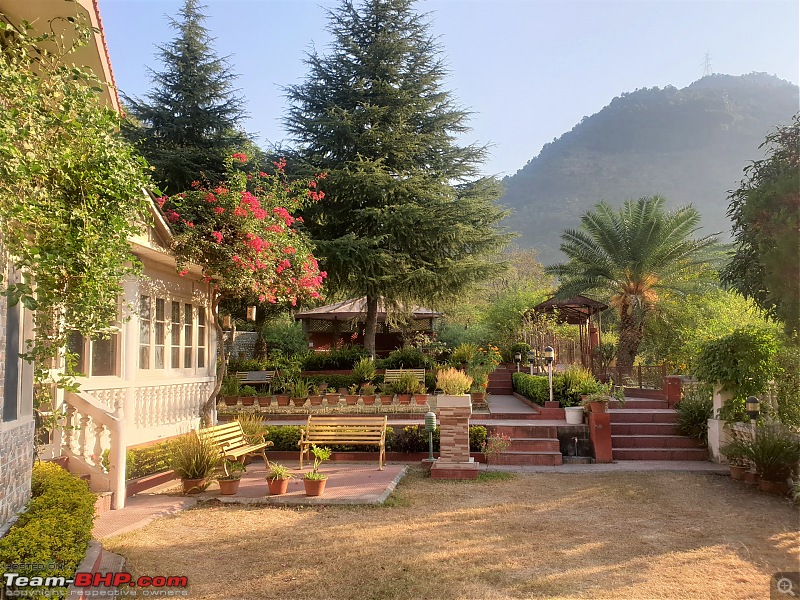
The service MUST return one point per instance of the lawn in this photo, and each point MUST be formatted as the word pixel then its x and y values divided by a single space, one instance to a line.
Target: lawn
pixel 598 535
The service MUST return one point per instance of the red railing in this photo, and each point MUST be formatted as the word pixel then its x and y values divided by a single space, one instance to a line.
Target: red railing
pixel 641 376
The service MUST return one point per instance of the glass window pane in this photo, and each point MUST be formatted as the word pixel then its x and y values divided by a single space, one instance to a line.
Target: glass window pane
pixel 144 357
pixel 159 357
pixel 104 356
pixel 159 309
pixel 188 336
pixel 201 358
pixel 160 333
pixel 75 346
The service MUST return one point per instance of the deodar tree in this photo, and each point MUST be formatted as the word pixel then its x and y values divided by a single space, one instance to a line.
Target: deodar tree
pixel 245 237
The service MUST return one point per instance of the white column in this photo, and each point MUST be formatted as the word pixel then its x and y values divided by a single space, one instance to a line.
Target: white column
pixel 716 433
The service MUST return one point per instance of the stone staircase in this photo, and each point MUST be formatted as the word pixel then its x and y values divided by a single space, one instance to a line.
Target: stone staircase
pixel 500 381
pixel 644 429
pixel 531 443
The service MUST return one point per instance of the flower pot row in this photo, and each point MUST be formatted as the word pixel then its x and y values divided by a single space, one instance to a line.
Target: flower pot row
pixel 740 473
pixel 350 400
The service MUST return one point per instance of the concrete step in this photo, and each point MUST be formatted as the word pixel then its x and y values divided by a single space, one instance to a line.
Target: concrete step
pixel 534 445
pixel 660 454
pixel 528 458
pixel 642 415
pixel 526 416
pixel 526 431
pixel 103 502
pixel 653 441
pixel 631 403
pixel 643 429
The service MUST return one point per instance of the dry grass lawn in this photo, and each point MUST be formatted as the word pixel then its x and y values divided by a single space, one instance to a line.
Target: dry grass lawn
pixel 600 535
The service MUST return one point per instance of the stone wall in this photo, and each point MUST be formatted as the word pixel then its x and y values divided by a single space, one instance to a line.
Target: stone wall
pixel 16 459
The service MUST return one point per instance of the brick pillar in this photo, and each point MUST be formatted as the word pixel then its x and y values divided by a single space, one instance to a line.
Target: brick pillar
pixel 600 436
pixel 454 460
pixel 672 389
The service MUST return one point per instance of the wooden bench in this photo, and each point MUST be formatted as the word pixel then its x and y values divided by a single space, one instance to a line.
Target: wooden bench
pixel 393 375
pixel 349 430
pixel 248 377
pixel 232 443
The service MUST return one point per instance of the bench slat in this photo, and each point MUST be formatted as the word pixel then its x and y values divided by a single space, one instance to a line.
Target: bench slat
pixel 337 430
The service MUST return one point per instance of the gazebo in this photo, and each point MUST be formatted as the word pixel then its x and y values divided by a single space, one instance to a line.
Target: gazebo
pixel 578 310
pixel 341 323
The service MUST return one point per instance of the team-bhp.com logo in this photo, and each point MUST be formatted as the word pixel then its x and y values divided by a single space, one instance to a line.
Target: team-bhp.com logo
pixel 159 585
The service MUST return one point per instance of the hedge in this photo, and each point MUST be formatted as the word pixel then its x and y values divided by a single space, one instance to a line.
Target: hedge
pixel 52 536
pixel 537 389
pixel 148 460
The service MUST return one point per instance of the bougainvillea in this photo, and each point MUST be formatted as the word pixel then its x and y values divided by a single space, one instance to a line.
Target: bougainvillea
pixel 244 236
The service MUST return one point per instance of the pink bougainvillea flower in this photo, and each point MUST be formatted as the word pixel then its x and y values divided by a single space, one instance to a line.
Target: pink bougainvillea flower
pixel 240 156
pixel 217 235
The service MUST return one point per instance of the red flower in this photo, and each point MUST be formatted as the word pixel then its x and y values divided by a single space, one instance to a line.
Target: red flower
pixel 217 235
pixel 240 156
pixel 219 210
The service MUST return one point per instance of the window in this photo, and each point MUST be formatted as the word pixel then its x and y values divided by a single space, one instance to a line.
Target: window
pixel 188 338
pixel 144 332
pixel 11 382
pixel 97 358
pixel 201 337
pixel 160 333
pixel 175 335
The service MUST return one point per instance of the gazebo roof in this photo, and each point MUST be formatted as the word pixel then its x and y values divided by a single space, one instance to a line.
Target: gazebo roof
pixel 573 310
pixel 357 307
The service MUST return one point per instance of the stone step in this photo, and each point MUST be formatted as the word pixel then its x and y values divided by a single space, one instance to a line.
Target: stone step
pixel 525 431
pixel 653 441
pixel 512 416
pixel 534 445
pixel 642 415
pixel 631 403
pixel 103 502
pixel 528 458
pixel 660 454
pixel 643 429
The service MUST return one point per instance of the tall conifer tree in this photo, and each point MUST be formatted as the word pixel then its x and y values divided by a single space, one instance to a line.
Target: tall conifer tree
pixel 403 218
pixel 187 125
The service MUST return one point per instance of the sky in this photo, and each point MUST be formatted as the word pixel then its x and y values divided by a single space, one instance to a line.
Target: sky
pixel 527 70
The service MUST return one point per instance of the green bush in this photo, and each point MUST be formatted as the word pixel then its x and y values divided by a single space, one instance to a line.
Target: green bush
pixel 533 387
pixel 787 386
pixel 284 437
pixel 340 358
pixel 247 364
pixel 52 536
pixel 477 436
pixel 334 381
pixel 407 358
pixel 521 347
pixel 285 334
pixel 537 389
pixel 144 461
pixel 694 411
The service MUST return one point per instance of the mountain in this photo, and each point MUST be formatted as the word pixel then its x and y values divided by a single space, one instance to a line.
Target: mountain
pixel 688 145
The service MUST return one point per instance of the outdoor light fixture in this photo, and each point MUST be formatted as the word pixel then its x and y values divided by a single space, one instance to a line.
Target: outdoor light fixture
pixel 549 357
pixel 531 358
pixel 430 427
pixel 251 313
pixel 752 407
pixel 226 321
pixel 518 359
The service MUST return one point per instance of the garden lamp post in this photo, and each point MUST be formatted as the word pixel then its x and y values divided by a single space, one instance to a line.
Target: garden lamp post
pixel 549 357
pixel 518 359
pixel 430 426
pixel 251 313
pixel 531 357
pixel 753 407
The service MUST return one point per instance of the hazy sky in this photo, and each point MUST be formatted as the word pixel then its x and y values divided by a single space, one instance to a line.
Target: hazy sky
pixel 529 70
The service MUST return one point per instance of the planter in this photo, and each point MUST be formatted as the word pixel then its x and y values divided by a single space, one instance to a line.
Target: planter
pixel 773 487
pixel 315 400
pixel 332 398
pixel 737 473
pixel 229 487
pixel 299 402
pixel 478 397
pixel 404 398
pixel 264 400
pixel 230 400
pixel 751 477
pixel 282 399
pixel 193 486
pixel 574 415
pixel 277 486
pixel 314 487
pixel 351 400
pixel 387 400
pixel 421 399
pixel 368 400
pixel 248 400
pixel 597 407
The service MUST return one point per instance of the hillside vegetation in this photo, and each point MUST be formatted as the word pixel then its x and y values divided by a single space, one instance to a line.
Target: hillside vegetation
pixel 689 145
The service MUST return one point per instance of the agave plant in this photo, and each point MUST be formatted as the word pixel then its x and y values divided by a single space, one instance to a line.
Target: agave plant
pixel 194 458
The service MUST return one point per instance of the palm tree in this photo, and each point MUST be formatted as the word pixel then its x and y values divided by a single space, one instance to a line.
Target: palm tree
pixel 633 256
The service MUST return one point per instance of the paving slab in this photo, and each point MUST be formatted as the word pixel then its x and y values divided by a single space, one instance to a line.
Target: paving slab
pixel 138 512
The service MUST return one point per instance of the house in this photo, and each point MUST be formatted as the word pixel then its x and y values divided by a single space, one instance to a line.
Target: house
pixel 148 381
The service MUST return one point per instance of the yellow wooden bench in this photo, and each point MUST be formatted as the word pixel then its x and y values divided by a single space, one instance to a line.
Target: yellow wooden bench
pixel 232 443
pixel 350 430
pixel 392 375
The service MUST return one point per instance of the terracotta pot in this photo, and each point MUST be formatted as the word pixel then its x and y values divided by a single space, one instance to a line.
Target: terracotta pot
pixel 264 400
pixel 248 400
pixel 231 400
pixel 368 400
pixel 193 486
pixel 315 400
pixel 386 400
pixel 332 398
pixel 597 407
pixel 404 398
pixel 277 486
pixel 478 396
pixel 773 487
pixel 229 487
pixel 351 400
pixel 421 399
pixel 737 473
pixel 282 399
pixel 299 402
pixel 751 477
pixel 314 487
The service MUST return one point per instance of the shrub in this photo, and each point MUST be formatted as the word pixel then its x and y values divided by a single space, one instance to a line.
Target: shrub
pixel 521 347
pixel 253 427
pixel 339 358
pixel 453 382
pixel 284 437
pixel 50 539
pixel 787 386
pixel 477 437
pixel 775 452
pixel 407 358
pixel 533 387
pixel 193 457
pixel 463 353
pixel 246 364
pixel 285 334
pixel 364 369
pixel 694 413
pixel 144 461
pixel 334 381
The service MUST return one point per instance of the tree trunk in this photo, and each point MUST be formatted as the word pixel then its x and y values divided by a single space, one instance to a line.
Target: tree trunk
pixel 630 336
pixel 371 325
pixel 207 409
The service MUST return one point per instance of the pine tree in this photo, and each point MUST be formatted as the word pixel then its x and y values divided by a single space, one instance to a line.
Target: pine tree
pixel 401 219
pixel 188 124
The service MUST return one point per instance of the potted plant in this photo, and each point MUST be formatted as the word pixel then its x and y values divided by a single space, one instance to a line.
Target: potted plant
pixel 314 481
pixel 775 453
pixel 332 396
pixel 598 400
pixel 386 394
pixel 299 391
pixel 248 395
pixel 585 387
pixel 278 478
pixel 737 451
pixel 229 481
pixel 364 370
pixel 421 394
pixel 314 395
pixel 194 460
pixel 283 385
pixel 230 390
pixel 453 382
pixel 265 397
pixel 351 398
pixel 480 381
pixel 368 394
pixel 404 387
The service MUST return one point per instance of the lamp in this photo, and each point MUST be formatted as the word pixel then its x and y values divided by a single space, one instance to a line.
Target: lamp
pixel 518 359
pixel 430 427
pixel 226 321
pixel 251 313
pixel 753 407
pixel 549 357
pixel 531 358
